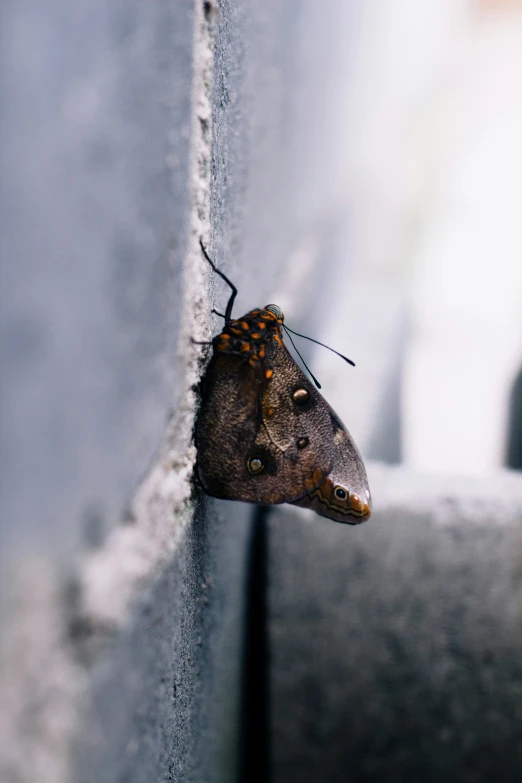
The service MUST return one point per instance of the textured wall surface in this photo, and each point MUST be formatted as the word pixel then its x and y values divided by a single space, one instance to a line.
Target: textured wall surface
pixel 95 223
pixel 149 633
pixel 395 646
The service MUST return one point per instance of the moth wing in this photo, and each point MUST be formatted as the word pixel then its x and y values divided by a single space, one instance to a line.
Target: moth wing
pixel 349 474
pixel 303 432
pixel 234 426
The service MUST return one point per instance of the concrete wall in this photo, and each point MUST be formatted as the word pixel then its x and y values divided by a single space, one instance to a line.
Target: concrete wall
pixel 148 632
pixel 395 647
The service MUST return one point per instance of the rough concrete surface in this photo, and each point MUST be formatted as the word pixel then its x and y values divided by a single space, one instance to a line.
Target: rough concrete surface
pixel 395 646
pixel 95 222
pixel 105 292
pixel 128 131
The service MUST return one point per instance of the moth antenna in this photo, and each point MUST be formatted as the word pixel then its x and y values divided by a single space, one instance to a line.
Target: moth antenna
pixel 319 343
pixel 230 303
pixel 305 364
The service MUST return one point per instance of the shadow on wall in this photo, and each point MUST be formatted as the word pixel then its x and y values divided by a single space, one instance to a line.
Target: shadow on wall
pixel 514 443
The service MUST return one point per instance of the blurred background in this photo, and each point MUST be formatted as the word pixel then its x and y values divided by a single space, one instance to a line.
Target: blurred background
pixel 360 164
pixel 430 183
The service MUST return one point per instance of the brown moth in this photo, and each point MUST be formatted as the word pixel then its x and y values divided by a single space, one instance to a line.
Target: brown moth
pixel 264 434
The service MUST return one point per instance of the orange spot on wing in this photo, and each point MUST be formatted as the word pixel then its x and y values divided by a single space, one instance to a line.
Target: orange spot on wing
pixel 255 336
pixel 315 479
pixel 268 374
pixel 261 352
pixel 261 325
pixel 246 347
pixel 224 336
pixel 235 331
pixel 278 340
pixel 318 475
pixel 245 326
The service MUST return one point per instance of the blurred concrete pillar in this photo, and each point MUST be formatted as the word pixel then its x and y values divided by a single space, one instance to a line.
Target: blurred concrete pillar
pixel 395 646
pixel 514 445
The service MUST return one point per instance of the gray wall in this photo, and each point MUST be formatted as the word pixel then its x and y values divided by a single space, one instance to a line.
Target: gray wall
pixel 395 647
pixel 134 609
pixel 94 227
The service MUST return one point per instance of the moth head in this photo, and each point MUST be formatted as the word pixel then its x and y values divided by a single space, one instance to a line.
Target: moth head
pixel 275 310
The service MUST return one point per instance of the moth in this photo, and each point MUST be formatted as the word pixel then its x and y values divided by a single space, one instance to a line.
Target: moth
pixel 264 434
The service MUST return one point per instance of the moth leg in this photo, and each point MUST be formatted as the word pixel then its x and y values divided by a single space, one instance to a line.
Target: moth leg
pixel 230 303
pixel 216 312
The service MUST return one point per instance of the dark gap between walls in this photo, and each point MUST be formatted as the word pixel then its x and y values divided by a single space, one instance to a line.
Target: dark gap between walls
pixel 514 445
pixel 254 744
